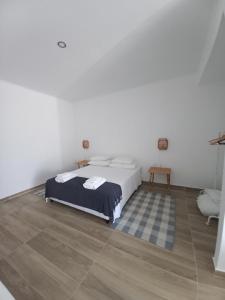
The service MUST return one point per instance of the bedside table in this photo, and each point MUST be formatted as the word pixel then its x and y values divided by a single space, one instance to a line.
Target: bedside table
pixel 82 163
pixel 158 170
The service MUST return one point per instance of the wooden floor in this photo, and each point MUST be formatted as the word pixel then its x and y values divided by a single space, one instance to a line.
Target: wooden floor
pixel 50 251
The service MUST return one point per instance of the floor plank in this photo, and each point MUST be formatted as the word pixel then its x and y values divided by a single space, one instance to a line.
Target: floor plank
pixel 16 284
pixel 103 283
pixel 8 242
pixel 64 257
pixel 94 227
pixel 22 230
pixel 162 283
pixel 33 218
pixel 51 282
pixel 210 293
pixel 83 243
pixel 156 256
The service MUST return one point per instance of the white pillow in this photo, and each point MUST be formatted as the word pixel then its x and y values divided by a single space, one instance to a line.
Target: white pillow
pixel 102 163
pixel 125 166
pixel 100 157
pixel 123 160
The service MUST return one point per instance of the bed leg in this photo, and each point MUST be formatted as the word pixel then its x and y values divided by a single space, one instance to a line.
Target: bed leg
pixel 209 219
pixel 48 200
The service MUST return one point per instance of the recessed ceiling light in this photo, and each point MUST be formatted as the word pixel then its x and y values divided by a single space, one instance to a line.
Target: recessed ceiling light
pixel 61 44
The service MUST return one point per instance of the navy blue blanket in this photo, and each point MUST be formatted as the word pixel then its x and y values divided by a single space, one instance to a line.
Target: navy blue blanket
pixel 103 200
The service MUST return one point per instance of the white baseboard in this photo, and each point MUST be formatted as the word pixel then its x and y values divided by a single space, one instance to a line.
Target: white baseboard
pixel 215 268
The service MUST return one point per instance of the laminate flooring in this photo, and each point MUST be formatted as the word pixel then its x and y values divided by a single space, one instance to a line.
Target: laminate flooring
pixel 54 252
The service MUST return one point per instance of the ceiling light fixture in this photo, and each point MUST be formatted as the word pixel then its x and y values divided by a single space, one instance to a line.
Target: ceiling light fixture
pixel 61 44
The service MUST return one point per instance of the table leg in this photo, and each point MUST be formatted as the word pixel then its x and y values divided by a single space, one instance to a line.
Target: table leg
pixel 150 178
pixel 168 180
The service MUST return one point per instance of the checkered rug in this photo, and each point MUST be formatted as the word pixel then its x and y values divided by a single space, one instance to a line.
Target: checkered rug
pixel 149 216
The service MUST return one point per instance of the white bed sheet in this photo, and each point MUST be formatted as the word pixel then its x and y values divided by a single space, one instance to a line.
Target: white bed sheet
pixel 128 179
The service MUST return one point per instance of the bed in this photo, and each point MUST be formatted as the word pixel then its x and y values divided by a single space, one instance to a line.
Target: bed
pixel 118 179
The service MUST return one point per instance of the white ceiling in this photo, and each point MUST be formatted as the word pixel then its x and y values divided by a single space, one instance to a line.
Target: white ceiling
pixel 112 44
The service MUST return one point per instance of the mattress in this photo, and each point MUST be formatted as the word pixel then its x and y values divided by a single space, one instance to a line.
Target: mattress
pixel 128 179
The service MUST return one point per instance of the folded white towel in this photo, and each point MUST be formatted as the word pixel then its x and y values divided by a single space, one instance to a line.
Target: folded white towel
pixel 94 182
pixel 61 178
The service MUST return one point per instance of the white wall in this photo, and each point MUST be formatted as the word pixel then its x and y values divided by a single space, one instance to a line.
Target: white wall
pixel 219 257
pixel 41 135
pixel 67 132
pixel 130 122
pixel 29 138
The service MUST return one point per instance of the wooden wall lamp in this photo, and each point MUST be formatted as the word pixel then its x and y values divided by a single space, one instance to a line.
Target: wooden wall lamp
pixel 85 144
pixel 163 143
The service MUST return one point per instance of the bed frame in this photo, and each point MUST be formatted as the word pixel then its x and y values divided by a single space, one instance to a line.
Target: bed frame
pixel 87 210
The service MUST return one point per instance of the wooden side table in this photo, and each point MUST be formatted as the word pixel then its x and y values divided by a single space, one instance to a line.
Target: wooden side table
pixel 158 170
pixel 82 163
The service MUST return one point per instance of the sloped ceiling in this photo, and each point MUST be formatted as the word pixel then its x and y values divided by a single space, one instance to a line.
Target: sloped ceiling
pixel 214 72
pixel 112 45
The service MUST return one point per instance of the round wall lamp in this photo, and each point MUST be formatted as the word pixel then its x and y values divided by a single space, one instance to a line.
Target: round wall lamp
pixel 61 44
pixel 85 144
